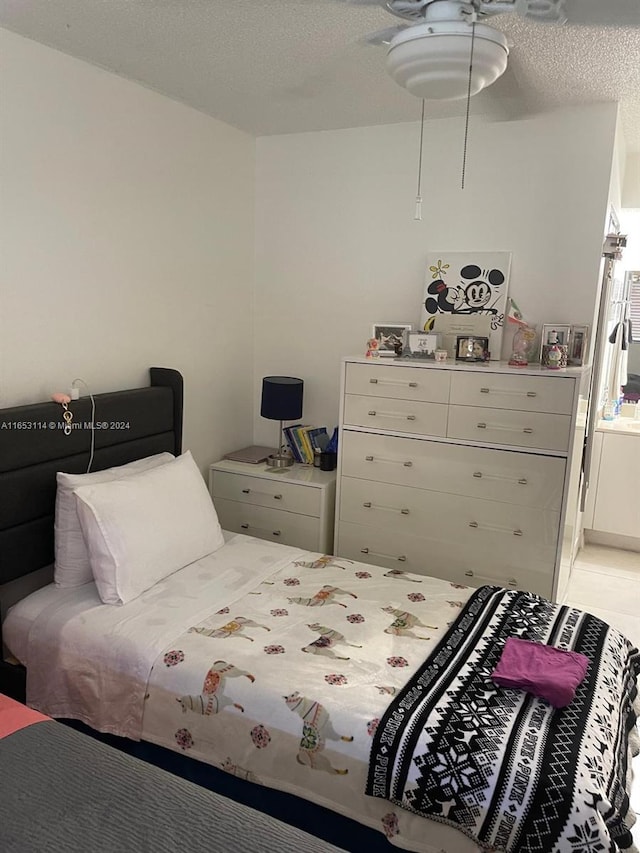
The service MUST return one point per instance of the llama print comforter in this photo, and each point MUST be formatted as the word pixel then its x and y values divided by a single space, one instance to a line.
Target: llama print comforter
pixel 284 686
pixel 502 765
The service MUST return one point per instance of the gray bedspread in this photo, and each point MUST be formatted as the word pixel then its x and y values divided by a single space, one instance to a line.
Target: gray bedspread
pixel 64 792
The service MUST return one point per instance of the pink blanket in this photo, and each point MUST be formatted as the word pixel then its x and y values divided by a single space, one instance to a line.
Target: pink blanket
pixel 14 716
pixel 550 673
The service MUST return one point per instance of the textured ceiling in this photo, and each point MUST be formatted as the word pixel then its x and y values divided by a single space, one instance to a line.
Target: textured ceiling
pixel 282 66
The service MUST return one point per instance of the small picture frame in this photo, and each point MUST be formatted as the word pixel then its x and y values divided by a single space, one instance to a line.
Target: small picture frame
pixel 578 346
pixel 390 337
pixel 472 348
pixel 420 344
pixel 563 333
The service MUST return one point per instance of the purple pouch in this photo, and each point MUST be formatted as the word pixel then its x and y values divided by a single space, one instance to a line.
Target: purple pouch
pixel 550 673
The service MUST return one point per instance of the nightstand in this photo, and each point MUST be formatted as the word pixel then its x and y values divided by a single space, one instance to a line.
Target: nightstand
pixel 292 505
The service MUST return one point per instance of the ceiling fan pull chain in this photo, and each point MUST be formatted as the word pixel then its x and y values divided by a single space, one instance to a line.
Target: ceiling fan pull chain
pixel 418 214
pixel 466 121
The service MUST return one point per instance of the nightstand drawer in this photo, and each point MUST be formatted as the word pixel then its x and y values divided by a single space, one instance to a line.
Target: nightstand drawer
pixel 399 415
pixel 397 382
pixel 500 475
pixel 523 393
pixel 301 531
pixel 264 492
pixel 502 426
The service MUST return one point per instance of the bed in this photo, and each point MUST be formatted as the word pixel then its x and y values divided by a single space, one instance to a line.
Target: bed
pixel 131 805
pixel 302 672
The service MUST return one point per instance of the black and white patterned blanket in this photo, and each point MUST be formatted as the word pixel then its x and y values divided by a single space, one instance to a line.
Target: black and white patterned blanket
pixel 506 768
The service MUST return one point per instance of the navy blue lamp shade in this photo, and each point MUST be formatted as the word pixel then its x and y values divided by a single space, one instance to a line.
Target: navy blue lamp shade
pixel 281 398
pixel 281 401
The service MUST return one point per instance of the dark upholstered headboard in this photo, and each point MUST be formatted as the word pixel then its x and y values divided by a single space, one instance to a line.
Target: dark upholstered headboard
pixel 128 425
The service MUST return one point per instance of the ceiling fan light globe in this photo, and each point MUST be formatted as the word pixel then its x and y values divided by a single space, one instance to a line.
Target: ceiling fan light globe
pixel 431 61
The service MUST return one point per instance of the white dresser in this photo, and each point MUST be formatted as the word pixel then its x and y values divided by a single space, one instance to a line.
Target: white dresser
pixel 464 472
pixel 293 506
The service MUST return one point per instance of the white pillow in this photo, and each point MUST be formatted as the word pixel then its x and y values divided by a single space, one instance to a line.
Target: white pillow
pixel 72 566
pixel 142 528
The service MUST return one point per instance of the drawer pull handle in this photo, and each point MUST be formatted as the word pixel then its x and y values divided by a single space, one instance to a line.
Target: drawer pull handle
pixel 246 526
pixel 275 497
pixel 370 505
pixel 511 393
pixel 505 428
pixel 511 582
pixel 393 382
pixel 522 481
pixel 407 464
pixel 495 528
pixel 372 413
pixel 400 559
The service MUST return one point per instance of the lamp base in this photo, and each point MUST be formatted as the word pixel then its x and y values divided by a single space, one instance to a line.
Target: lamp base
pixel 280 460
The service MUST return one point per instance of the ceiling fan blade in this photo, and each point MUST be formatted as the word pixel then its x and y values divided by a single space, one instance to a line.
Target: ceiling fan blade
pixel 595 13
pixel 591 13
pixel 382 36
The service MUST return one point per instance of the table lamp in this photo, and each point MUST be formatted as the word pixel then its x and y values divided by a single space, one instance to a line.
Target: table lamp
pixel 281 401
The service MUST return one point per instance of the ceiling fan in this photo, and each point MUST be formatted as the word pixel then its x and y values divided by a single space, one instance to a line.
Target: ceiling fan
pixel 445 51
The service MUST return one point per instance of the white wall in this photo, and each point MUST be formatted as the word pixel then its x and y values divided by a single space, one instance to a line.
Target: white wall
pixel 337 247
pixel 126 225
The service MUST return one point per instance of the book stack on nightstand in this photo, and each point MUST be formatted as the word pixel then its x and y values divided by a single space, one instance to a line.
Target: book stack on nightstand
pixel 294 506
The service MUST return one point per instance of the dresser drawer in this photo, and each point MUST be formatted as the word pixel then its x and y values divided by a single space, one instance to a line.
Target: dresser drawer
pixel 397 382
pixel 500 475
pixel 503 391
pixel 301 531
pixel 398 415
pixel 502 426
pixel 460 563
pixel 268 493
pixel 509 533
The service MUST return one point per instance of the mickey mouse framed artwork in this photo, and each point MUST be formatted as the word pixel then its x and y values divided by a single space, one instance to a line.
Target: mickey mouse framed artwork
pixel 468 284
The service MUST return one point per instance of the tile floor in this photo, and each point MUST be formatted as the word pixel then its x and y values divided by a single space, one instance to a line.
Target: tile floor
pixel 606 582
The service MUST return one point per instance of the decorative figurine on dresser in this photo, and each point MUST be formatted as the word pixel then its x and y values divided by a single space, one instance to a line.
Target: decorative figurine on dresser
pixel 465 472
